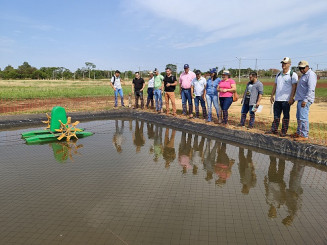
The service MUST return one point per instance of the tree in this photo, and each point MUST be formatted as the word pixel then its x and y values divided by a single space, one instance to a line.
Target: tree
pixel 9 73
pixel 172 67
pixel 89 67
pixel 26 70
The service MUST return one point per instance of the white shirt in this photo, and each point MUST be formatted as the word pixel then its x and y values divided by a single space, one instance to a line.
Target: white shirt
pixel 284 84
pixel 198 86
pixel 151 83
pixel 117 84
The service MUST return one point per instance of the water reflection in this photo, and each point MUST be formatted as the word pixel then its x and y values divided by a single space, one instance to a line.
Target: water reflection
pixel 64 150
pixel 198 154
pixel 248 177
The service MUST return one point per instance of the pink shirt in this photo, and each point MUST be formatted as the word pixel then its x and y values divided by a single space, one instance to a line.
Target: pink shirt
pixel 185 80
pixel 226 84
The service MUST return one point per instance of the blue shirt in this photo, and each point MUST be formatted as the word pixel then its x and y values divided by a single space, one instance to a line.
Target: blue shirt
pixel 306 87
pixel 211 87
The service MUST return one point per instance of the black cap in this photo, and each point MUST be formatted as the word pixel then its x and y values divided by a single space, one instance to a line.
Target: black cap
pixel 117 71
pixel 198 72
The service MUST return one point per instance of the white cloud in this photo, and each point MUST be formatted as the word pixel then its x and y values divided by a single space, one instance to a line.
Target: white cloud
pixel 219 20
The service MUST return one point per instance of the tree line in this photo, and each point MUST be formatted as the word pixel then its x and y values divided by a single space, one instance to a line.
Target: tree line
pixel 26 71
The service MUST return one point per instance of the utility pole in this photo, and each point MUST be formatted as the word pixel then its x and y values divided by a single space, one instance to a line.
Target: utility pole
pixel 239 69
pixel 256 67
pixel 317 67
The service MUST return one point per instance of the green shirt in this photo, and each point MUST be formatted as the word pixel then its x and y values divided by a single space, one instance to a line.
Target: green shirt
pixel 158 81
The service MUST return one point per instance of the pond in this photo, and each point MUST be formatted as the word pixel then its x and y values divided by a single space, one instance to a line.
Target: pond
pixel 135 182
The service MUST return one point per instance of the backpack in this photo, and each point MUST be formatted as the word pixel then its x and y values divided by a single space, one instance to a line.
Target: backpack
pixel 291 74
pixel 114 77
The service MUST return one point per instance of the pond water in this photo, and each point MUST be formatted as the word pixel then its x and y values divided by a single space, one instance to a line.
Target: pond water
pixel 134 182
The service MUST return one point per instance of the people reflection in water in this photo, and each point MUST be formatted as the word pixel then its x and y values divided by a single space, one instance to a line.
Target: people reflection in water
pixel 150 132
pixel 198 154
pixel 275 186
pixel 210 158
pixel 248 177
pixel 157 143
pixel 138 137
pixel 169 153
pixel 223 167
pixel 294 193
pixel 185 152
pixel 118 138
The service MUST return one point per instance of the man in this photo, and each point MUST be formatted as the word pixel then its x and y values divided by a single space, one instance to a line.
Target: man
pixel 305 95
pixel 158 88
pixel 150 90
pixel 284 88
pixel 116 85
pixel 198 86
pixel 251 99
pixel 185 81
pixel 170 83
pixel 138 85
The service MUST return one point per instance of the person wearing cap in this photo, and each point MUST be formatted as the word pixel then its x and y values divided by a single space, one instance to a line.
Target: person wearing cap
pixel 150 90
pixel 284 91
pixel 305 96
pixel 198 90
pixel 170 83
pixel 116 85
pixel 212 93
pixel 185 81
pixel 251 99
pixel 226 88
pixel 158 88
pixel 138 85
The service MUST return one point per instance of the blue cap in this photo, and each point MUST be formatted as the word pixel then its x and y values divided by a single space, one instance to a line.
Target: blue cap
pixel 186 66
pixel 213 70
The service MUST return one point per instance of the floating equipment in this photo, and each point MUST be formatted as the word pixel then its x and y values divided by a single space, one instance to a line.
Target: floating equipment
pixel 59 127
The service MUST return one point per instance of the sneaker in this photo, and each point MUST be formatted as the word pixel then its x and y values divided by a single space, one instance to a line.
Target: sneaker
pixel 301 138
pixel 270 132
pixel 240 125
pixel 281 134
pixel 295 135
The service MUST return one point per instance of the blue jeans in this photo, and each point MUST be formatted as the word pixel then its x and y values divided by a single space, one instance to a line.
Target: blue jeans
pixel 212 99
pixel 245 109
pixel 120 92
pixel 150 93
pixel 158 99
pixel 198 99
pixel 186 96
pixel 302 116
pixel 279 107
pixel 225 103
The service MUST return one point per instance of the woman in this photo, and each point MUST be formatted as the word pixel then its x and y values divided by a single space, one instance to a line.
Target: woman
pixel 227 87
pixel 212 93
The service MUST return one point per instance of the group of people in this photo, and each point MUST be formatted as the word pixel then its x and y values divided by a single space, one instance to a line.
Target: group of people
pixel 220 92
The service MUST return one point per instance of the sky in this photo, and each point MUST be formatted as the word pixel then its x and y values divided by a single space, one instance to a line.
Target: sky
pixel 147 34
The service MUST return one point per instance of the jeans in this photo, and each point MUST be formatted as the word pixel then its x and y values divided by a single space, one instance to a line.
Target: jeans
pixel 158 99
pixel 186 96
pixel 279 107
pixel 302 116
pixel 245 109
pixel 225 103
pixel 200 99
pixel 120 92
pixel 150 93
pixel 212 99
pixel 137 95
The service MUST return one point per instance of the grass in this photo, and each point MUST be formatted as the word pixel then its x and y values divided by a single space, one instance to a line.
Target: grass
pixel 40 89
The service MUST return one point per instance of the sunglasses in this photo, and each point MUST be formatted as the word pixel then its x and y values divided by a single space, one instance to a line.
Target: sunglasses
pixel 301 68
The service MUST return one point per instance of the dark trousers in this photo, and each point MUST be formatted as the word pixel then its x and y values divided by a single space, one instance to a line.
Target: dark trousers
pixel 245 109
pixel 225 103
pixel 150 97
pixel 279 107
pixel 139 95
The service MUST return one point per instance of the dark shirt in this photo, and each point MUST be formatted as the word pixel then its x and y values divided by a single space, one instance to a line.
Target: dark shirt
pixel 171 79
pixel 138 83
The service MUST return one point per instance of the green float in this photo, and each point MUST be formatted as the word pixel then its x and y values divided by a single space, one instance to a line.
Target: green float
pixel 59 128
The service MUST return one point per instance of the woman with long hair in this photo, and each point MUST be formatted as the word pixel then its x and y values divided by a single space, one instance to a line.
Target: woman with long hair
pixel 212 93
